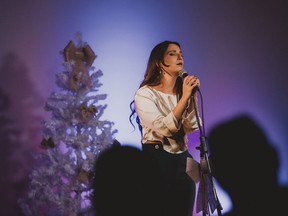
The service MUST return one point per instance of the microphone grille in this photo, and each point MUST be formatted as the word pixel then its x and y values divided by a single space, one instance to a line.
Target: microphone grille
pixel 182 73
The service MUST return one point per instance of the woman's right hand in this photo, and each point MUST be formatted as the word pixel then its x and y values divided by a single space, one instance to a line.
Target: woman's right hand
pixel 189 83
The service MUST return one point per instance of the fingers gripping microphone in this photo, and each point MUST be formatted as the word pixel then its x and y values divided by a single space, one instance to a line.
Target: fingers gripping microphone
pixel 183 73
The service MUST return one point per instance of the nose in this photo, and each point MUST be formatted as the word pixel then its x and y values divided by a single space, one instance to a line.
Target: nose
pixel 180 56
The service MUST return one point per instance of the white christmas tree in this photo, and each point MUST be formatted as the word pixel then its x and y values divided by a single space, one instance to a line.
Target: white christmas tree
pixel 61 184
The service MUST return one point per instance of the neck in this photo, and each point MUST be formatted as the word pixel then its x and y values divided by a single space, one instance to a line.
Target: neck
pixel 167 84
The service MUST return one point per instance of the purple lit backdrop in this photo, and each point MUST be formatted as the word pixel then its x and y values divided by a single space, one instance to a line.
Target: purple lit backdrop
pixel 239 50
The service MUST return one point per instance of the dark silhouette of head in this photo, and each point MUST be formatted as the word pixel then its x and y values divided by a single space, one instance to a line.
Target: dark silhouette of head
pixel 126 182
pixel 246 165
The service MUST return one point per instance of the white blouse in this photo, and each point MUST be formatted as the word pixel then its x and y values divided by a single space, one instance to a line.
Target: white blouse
pixel 154 109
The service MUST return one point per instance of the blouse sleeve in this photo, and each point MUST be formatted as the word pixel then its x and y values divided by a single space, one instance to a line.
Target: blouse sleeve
pixel 149 111
pixel 190 123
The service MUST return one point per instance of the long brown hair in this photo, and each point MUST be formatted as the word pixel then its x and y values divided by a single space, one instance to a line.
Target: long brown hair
pixel 152 76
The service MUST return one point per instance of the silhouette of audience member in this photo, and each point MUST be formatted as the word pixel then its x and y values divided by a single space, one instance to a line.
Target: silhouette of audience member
pixel 126 183
pixel 246 165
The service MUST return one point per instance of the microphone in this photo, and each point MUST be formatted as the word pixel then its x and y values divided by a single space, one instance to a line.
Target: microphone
pixel 183 73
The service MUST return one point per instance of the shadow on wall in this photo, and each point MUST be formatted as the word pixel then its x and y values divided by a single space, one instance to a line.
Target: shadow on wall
pixel 13 179
pixel 246 166
pixel 20 131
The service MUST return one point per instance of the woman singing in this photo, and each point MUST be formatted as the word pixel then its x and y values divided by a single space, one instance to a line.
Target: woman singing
pixel 165 114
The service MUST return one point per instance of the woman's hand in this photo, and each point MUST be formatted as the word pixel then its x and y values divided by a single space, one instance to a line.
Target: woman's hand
pixel 190 82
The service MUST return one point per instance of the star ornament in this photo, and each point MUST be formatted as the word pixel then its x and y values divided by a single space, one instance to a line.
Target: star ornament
pixel 84 176
pixel 47 143
pixel 87 113
pixel 83 54
pixel 80 57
